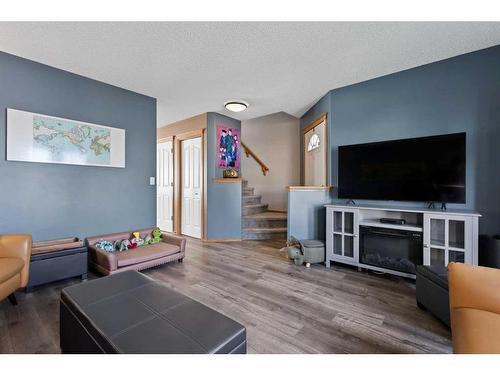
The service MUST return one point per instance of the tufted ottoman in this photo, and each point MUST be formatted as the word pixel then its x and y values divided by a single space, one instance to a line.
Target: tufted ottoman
pixel 131 313
pixel 432 291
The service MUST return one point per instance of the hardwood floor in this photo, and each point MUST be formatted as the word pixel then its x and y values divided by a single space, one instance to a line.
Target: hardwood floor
pixel 285 308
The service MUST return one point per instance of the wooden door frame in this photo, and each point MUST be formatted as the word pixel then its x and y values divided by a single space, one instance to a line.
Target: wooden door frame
pixel 322 118
pixel 199 133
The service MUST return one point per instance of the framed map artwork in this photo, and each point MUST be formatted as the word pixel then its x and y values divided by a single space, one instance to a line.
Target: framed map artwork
pixel 45 139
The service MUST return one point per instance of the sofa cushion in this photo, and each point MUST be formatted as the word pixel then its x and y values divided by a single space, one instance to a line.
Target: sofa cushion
pixel 145 253
pixel 9 267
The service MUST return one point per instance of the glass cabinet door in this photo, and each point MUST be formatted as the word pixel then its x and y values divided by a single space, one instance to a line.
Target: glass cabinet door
pixel 344 230
pixel 445 239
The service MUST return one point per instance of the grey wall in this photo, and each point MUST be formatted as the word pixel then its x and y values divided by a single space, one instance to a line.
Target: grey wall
pixel 53 201
pixel 453 95
pixel 274 139
pixel 223 200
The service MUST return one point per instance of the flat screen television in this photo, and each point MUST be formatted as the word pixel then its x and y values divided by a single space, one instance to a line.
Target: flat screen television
pixel 428 169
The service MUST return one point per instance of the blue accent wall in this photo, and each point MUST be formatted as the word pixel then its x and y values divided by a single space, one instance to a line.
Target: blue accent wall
pixel 307 214
pixel 223 200
pixel 454 95
pixel 54 201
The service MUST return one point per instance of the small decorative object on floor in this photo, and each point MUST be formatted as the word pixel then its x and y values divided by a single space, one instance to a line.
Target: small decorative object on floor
pixel 230 173
pixel 306 251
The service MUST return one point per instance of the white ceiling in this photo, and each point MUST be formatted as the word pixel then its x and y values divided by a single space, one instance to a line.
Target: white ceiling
pixel 193 68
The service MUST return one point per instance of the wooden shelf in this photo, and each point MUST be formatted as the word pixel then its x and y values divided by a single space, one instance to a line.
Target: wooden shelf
pixel 226 180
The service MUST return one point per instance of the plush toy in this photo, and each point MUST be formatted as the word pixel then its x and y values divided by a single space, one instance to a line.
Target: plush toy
pixel 124 245
pixel 156 235
pixel 136 238
pixel 105 245
pixel 117 244
pixel 306 251
pixel 147 240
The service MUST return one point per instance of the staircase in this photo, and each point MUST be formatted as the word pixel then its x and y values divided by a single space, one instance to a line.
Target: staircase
pixel 259 223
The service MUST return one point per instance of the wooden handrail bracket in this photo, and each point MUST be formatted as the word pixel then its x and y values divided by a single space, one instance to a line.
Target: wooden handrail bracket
pixel 249 153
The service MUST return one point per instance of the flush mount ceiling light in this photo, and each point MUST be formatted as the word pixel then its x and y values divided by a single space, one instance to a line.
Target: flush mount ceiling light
pixel 236 105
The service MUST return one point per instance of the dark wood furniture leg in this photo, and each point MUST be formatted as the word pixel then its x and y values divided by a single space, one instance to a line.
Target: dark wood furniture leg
pixel 12 299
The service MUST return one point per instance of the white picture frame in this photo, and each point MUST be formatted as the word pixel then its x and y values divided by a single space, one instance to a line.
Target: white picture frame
pixel 39 138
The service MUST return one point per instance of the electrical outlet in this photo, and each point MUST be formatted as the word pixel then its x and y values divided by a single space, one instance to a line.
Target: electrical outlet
pixel 152 181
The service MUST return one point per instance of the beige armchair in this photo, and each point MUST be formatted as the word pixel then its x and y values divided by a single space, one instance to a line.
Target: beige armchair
pixel 15 253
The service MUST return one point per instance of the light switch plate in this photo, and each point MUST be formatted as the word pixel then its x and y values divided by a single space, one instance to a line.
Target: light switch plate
pixel 152 181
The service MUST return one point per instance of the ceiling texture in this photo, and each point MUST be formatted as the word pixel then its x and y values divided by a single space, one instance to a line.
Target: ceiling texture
pixel 193 68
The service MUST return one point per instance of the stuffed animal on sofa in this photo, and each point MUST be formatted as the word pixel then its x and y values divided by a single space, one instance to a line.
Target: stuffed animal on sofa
pixel 105 245
pixel 136 239
pixel 124 244
pixel 147 240
pixel 156 235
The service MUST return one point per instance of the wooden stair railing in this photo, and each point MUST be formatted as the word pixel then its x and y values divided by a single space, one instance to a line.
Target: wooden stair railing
pixel 249 153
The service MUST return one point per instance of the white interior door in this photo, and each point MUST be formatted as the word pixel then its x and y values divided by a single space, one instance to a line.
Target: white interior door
pixel 164 186
pixel 315 156
pixel 191 187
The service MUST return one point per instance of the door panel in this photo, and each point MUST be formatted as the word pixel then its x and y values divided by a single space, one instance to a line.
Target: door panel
pixel 164 186
pixel 191 187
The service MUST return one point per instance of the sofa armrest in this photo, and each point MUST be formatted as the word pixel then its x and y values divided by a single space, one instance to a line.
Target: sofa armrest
pixel 174 240
pixel 102 258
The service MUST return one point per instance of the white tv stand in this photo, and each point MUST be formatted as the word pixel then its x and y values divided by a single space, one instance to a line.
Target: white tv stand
pixel 450 235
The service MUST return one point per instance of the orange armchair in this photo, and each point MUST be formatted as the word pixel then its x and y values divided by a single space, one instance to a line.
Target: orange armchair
pixel 474 308
pixel 15 253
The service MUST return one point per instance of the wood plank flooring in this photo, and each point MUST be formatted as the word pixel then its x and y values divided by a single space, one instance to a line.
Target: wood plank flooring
pixel 285 308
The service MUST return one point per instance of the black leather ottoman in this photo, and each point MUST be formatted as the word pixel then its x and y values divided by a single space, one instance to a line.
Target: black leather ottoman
pixel 432 291
pixel 131 313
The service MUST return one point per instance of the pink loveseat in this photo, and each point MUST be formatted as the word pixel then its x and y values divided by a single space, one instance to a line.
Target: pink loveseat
pixel 171 248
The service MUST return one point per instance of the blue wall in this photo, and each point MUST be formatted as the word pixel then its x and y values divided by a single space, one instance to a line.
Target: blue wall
pixel 223 200
pixel 307 214
pixel 453 95
pixel 53 201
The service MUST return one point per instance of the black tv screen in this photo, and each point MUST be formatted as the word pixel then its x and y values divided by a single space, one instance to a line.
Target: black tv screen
pixel 430 169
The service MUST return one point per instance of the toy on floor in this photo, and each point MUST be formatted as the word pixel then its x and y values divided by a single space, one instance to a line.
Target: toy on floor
pixel 306 251
pixel 156 235
pixel 105 245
